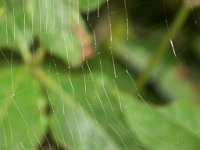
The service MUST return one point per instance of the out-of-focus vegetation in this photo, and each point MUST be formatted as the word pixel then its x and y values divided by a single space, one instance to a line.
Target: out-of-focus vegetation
pixel 97 74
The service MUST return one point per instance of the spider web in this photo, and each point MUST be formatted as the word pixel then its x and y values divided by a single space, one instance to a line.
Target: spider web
pixel 96 64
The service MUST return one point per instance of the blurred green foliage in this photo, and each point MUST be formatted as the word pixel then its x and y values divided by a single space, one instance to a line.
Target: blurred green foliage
pixel 96 74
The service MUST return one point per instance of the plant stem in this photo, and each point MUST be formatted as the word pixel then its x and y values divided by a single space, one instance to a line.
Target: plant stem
pixel 162 48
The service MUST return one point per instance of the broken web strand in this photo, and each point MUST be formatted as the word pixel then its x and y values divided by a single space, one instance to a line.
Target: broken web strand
pixel 157 55
pixel 166 21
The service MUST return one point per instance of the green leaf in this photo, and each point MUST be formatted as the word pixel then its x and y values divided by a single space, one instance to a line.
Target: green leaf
pixel 90 5
pixel 58 24
pixel 22 120
pixel 96 98
pixel 13 32
pixel 72 126
pixel 173 127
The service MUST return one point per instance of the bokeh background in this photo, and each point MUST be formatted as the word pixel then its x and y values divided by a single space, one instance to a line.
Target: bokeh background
pixel 99 74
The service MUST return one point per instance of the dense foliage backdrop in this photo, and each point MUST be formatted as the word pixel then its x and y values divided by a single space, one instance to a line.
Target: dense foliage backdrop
pixel 97 74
